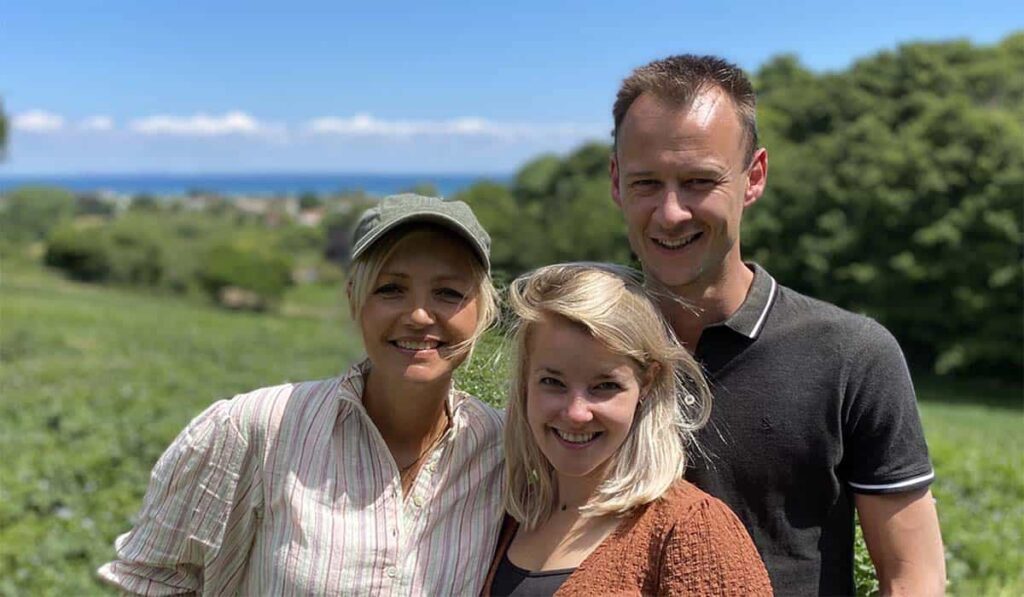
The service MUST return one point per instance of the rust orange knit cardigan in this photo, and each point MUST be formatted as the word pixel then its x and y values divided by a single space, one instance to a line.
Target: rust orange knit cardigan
pixel 685 543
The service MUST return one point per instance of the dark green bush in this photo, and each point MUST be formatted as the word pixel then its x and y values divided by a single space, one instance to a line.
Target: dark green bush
pixel 82 254
pixel 136 257
pixel 226 267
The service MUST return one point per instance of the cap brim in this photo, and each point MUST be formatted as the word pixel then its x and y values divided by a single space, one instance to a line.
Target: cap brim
pixel 429 217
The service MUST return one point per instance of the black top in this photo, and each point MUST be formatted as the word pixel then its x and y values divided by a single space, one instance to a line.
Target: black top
pixel 510 579
pixel 811 404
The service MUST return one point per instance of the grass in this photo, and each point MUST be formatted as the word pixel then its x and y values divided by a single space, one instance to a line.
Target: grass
pixel 97 381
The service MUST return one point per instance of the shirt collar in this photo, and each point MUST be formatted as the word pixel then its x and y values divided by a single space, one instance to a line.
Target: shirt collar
pixel 352 383
pixel 749 319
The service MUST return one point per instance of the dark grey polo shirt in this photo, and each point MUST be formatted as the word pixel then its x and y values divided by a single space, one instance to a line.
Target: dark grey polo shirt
pixel 811 404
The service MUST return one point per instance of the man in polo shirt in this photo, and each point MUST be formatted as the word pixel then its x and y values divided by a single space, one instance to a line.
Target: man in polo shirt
pixel 814 413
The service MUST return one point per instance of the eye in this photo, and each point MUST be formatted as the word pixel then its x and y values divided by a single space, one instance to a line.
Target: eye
pixel 645 185
pixel 389 289
pixel 552 382
pixel 450 294
pixel 608 386
pixel 701 183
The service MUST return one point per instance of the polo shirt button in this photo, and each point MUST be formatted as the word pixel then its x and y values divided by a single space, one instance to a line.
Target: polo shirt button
pixel 391 571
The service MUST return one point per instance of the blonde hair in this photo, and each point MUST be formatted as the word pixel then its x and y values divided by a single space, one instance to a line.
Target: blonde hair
pixel 614 306
pixel 364 271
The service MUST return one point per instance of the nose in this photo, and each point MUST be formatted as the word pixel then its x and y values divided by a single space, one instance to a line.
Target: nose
pixel 578 410
pixel 421 316
pixel 672 210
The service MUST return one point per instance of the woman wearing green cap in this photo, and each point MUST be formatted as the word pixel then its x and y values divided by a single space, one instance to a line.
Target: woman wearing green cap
pixel 385 480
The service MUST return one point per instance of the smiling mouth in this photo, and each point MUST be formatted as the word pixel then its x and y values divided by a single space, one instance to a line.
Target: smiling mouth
pixel 577 439
pixel 677 243
pixel 417 345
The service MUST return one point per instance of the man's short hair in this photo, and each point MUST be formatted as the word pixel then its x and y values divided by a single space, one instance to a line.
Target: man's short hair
pixel 679 79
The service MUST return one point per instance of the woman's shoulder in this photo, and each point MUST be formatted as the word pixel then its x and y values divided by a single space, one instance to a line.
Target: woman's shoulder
pixel 476 414
pixel 267 410
pixel 707 549
pixel 684 500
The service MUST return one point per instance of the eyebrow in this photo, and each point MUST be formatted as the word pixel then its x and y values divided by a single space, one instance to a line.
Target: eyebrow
pixel 548 369
pixel 709 170
pixel 442 278
pixel 602 376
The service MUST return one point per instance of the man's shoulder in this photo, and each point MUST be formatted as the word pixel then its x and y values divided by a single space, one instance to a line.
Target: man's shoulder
pixel 824 320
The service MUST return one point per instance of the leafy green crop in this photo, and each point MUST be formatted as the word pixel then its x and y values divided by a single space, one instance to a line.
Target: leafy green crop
pixel 97 381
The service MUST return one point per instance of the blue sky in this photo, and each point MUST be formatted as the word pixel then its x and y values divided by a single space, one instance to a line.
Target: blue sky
pixel 473 87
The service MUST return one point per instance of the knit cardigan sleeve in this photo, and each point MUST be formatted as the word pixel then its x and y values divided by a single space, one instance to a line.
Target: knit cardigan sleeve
pixel 708 552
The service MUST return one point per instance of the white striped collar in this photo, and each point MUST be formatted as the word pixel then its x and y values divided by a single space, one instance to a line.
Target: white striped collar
pixel 750 318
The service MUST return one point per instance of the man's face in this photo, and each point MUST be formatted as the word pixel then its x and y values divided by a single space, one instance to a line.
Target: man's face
pixel 681 177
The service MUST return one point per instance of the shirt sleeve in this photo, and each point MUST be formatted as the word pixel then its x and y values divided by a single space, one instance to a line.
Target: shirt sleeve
pixel 710 553
pixel 884 448
pixel 197 522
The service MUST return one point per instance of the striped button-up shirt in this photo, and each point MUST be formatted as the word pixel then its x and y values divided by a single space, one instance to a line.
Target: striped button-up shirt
pixel 292 490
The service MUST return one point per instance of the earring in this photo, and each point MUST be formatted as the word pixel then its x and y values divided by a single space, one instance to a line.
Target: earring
pixel 533 477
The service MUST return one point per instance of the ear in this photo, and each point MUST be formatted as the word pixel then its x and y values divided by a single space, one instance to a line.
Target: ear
pixel 613 175
pixel 647 379
pixel 757 177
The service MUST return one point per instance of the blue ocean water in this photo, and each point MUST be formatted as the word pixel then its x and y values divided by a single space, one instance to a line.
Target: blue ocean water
pixel 251 184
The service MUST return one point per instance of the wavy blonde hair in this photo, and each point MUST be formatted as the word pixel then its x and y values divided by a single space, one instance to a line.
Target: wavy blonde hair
pixel 613 304
pixel 364 271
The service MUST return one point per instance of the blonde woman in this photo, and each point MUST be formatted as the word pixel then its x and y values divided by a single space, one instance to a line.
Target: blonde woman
pixel 603 406
pixel 385 480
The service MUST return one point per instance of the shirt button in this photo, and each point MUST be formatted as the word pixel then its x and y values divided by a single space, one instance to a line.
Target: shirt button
pixel 391 571
pixel 417 501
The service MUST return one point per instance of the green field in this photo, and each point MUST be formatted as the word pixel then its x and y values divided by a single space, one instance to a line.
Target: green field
pixel 95 383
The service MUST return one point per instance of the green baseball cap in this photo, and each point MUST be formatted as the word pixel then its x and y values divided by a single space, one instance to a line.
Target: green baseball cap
pixel 406 208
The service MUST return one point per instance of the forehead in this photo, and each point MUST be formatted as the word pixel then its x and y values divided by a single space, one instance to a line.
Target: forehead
pixel 433 251
pixel 557 343
pixel 709 127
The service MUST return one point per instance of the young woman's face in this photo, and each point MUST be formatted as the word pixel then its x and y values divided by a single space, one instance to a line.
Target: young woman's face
pixel 580 397
pixel 423 304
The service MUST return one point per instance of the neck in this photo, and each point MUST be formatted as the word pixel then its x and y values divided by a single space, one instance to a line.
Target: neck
pixel 407 415
pixel 709 300
pixel 574 492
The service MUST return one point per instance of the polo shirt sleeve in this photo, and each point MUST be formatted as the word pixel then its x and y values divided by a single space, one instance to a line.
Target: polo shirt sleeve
pixel 884 448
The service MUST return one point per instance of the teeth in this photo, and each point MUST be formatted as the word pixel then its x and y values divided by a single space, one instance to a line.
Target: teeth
pixel 676 243
pixel 575 438
pixel 412 345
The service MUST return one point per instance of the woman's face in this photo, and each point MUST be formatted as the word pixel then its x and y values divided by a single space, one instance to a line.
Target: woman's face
pixel 580 397
pixel 423 304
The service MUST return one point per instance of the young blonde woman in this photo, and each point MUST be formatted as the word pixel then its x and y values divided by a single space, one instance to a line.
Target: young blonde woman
pixel 603 406
pixel 385 480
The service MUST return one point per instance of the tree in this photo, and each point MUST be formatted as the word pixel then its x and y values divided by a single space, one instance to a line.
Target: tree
pixel 31 212
pixel 896 190
pixel 309 200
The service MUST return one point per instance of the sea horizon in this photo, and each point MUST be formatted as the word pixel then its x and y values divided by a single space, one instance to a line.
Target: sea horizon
pixel 267 184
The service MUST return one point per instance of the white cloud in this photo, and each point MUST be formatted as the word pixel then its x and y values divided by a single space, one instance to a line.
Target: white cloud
pixel 366 125
pixel 202 125
pixel 38 121
pixel 97 123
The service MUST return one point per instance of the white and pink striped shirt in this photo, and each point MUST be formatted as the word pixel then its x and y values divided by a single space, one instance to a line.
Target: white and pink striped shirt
pixel 291 490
